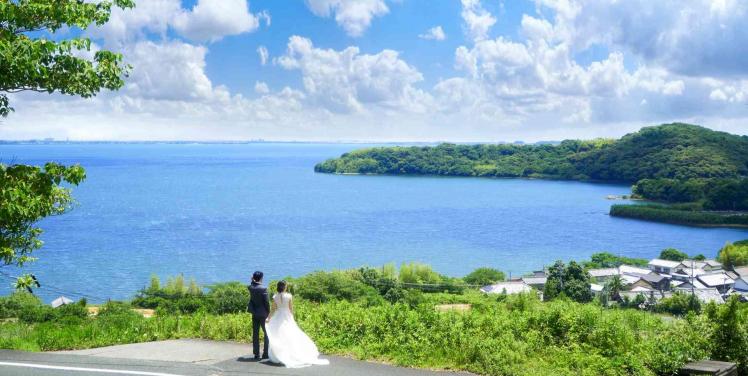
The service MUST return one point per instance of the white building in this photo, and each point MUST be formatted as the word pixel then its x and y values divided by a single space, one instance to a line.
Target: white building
pixel 509 288
pixel 663 266
pixel 721 281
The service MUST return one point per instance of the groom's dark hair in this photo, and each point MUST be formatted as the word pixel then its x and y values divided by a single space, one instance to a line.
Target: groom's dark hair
pixel 257 276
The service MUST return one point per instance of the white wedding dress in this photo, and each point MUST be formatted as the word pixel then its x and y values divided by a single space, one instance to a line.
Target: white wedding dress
pixel 288 343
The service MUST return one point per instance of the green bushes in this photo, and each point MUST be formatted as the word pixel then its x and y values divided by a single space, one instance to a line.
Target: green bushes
pixel 661 213
pixel 328 286
pixel 484 276
pixel 609 260
pixel 229 297
pixel 734 255
pixel 571 281
pixel 679 304
pixel 174 297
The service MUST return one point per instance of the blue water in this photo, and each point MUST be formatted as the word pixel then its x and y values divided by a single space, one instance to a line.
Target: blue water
pixel 219 212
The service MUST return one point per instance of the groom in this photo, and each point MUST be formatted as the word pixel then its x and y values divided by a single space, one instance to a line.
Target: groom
pixel 259 307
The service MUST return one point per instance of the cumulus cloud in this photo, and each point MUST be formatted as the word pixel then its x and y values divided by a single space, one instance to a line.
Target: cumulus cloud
pixel 435 33
pixel 261 88
pixel 211 20
pixel 348 80
pixel 477 20
pixel 207 21
pixel 353 16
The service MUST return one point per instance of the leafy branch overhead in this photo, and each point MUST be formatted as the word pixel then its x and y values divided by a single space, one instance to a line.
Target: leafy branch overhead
pixel 28 194
pixel 31 59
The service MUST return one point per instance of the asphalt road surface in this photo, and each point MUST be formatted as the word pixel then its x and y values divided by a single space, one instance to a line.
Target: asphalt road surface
pixel 181 358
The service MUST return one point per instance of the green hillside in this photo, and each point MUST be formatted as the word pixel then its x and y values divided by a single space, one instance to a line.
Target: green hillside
pixel 678 151
pixel 668 163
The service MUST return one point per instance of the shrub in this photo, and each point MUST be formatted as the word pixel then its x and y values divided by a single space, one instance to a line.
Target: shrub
pixel 673 254
pixel 733 256
pixel 230 297
pixel 115 308
pixel 418 273
pixel 679 304
pixel 337 285
pixel 484 276
pixel 14 304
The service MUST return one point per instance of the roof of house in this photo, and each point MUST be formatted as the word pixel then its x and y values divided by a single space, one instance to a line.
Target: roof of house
pixel 61 301
pixel 743 272
pixel 630 278
pixel 595 287
pixel 688 271
pixel 692 264
pixel 624 269
pixel 715 279
pixel 535 280
pixel 605 272
pixel 664 263
pixel 713 262
pixel 654 278
pixel 507 287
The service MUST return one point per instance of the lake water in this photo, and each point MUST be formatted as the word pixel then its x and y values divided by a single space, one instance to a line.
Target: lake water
pixel 218 212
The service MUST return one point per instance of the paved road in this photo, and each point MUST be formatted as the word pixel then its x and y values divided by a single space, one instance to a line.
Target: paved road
pixel 180 358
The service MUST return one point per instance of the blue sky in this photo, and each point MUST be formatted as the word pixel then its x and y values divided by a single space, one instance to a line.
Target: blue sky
pixel 407 70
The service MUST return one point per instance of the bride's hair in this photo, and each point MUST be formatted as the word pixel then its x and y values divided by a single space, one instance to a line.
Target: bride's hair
pixel 282 286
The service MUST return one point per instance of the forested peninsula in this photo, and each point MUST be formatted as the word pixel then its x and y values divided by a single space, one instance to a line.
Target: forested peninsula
pixel 688 167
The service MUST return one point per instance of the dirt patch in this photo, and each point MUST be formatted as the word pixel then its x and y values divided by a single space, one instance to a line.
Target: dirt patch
pixel 453 307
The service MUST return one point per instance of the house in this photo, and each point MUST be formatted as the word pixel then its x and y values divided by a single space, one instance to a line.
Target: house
pixel 510 287
pixel 685 274
pixel 602 275
pixel 535 282
pixel 681 285
pixel 663 266
pixel 628 269
pixel 721 281
pixel 596 289
pixel 741 282
pixel 653 282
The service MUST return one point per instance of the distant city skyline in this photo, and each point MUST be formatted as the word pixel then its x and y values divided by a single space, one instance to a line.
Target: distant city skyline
pixel 406 71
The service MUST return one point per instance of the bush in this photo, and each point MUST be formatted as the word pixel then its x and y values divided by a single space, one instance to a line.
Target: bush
pixel 115 308
pixel 14 304
pixel 230 297
pixel 673 254
pixel 733 256
pixel 417 273
pixel 679 304
pixel 337 285
pixel 175 296
pixel 484 276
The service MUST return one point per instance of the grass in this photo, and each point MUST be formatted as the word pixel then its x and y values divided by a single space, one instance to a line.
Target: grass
pixel 516 335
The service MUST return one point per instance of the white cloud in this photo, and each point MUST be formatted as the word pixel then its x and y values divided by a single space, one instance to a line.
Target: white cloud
pixel 211 20
pixel 169 70
pixel 693 38
pixel 261 88
pixel 262 51
pixel 435 33
pixel 153 16
pixel 354 16
pixel 348 80
pixel 265 15
pixel 477 20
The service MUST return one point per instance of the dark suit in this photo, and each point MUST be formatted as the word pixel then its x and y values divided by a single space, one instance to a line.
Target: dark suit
pixel 259 307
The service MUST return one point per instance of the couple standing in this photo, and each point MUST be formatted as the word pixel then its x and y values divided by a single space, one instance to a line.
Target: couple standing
pixel 285 342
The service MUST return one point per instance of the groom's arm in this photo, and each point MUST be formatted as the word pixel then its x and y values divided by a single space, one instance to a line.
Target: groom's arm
pixel 266 300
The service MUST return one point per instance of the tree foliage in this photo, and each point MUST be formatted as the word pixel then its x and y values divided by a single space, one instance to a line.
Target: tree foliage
pixel 608 260
pixel 28 194
pixel 32 58
pixel 571 281
pixel 673 254
pixel 733 255
pixel 484 276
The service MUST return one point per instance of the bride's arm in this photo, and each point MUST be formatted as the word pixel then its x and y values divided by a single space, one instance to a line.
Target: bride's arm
pixel 290 306
pixel 273 308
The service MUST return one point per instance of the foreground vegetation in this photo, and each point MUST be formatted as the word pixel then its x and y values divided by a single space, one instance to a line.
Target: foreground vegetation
pixel 670 163
pixel 374 314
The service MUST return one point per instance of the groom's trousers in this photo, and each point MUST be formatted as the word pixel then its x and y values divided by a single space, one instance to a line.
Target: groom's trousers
pixel 257 323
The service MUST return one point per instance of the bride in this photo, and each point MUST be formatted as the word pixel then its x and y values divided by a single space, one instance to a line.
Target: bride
pixel 288 343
